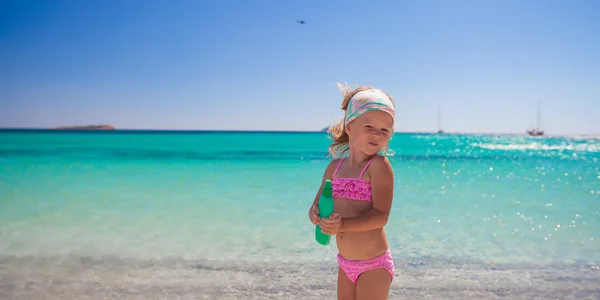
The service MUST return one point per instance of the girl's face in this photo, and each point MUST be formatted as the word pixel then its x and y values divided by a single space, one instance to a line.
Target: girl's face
pixel 371 132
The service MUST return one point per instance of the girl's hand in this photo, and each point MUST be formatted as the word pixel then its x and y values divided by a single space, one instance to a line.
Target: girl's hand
pixel 313 214
pixel 332 224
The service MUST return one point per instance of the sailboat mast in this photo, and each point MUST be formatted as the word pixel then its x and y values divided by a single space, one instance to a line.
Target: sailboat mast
pixel 439 119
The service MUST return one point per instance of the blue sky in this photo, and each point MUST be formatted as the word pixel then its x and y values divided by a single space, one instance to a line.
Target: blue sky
pixel 249 65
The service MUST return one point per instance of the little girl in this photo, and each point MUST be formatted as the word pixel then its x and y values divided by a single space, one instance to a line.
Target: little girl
pixel 363 187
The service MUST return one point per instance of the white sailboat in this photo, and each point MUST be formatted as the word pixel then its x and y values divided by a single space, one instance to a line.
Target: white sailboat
pixel 536 131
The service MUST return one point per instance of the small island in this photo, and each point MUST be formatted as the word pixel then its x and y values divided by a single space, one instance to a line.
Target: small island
pixel 86 127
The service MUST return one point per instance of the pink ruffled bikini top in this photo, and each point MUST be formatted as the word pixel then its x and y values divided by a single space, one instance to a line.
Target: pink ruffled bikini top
pixel 351 188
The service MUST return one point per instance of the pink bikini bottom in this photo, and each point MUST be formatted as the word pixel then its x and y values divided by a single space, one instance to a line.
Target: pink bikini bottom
pixel 353 268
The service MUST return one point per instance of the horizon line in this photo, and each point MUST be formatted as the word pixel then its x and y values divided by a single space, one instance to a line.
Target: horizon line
pixel 5 129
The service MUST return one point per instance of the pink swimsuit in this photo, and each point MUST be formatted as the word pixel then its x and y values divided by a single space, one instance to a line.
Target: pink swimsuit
pixel 358 189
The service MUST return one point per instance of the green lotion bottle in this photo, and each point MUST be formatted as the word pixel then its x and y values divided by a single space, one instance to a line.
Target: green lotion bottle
pixel 325 209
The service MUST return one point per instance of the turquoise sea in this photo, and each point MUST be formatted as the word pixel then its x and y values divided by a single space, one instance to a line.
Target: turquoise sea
pixel 223 215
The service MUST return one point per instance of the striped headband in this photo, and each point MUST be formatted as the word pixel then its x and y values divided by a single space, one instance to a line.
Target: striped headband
pixel 368 100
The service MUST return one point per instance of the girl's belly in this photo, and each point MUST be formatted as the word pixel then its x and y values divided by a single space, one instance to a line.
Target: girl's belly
pixel 361 245
pixel 358 245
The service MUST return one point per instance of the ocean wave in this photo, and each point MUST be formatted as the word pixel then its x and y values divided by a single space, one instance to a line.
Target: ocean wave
pixel 158 154
pixel 512 152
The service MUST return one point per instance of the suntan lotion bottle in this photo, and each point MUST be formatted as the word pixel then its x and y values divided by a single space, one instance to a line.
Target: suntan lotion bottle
pixel 325 209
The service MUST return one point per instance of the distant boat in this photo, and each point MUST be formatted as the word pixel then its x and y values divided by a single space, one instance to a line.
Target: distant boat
pixel 536 131
pixel 325 129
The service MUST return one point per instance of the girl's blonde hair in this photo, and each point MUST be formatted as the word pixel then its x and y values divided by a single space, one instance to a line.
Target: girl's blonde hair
pixel 337 132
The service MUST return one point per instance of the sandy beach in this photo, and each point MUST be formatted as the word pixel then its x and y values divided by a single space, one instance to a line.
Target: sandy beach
pixel 86 278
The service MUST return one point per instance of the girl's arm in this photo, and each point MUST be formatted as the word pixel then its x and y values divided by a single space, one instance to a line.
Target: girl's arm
pixel 382 190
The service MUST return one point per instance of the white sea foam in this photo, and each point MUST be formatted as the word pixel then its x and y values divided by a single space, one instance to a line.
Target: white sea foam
pixel 539 147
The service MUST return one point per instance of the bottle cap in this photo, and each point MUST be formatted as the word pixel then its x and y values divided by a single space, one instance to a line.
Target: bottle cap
pixel 327 188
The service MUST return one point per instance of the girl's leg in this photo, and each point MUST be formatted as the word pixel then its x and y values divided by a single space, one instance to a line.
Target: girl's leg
pixel 373 285
pixel 346 288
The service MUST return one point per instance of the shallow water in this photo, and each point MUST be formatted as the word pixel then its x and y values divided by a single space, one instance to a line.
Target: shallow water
pixel 194 214
pixel 111 277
